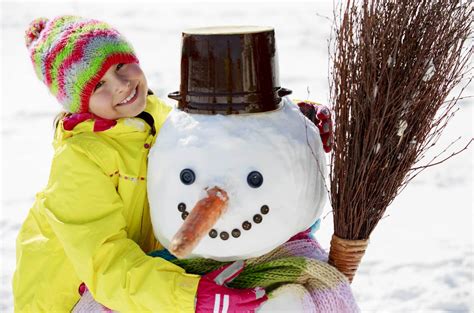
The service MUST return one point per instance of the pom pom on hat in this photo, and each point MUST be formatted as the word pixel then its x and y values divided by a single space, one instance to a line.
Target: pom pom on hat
pixel 71 54
pixel 34 30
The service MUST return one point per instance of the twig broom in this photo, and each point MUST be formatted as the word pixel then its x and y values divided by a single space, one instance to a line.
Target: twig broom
pixel 394 64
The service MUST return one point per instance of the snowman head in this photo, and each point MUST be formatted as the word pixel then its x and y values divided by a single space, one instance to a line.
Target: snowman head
pixel 271 166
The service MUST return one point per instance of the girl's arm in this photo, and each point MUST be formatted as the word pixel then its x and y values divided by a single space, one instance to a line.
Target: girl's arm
pixel 85 212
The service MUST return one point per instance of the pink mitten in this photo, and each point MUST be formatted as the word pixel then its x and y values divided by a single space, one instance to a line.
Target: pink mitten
pixel 320 115
pixel 213 296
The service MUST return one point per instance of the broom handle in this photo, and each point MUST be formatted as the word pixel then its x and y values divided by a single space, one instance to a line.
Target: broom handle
pixel 345 255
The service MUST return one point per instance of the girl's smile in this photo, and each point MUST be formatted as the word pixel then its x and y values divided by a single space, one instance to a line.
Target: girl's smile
pixel 132 97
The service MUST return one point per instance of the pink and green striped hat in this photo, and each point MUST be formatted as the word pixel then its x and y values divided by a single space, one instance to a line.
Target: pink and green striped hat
pixel 71 54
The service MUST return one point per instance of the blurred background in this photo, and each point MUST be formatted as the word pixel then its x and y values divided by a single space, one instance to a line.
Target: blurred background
pixel 421 255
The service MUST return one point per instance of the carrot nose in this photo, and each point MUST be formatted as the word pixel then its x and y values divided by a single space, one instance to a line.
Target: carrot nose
pixel 199 222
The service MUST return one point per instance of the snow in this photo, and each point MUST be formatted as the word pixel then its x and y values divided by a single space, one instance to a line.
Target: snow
pixel 421 256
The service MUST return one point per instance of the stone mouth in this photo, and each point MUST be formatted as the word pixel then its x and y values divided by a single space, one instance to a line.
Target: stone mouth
pixel 235 232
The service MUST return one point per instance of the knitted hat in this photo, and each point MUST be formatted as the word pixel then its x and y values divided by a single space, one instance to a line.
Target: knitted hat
pixel 71 54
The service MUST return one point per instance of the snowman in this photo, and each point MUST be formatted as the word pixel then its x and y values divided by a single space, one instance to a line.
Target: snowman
pixel 237 173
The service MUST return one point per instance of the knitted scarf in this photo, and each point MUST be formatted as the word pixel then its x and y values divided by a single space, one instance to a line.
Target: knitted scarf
pixel 300 262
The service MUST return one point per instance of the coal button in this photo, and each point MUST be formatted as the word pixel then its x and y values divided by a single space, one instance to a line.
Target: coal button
pixel 257 218
pixel 181 207
pixel 235 233
pixel 213 233
pixel 224 235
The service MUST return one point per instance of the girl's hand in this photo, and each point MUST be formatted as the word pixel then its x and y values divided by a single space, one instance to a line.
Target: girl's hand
pixel 320 115
pixel 214 296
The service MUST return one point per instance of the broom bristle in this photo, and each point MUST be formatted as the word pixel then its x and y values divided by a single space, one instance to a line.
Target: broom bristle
pixel 394 64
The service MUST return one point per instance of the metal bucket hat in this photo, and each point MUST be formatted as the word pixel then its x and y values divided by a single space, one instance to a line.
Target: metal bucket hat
pixel 229 70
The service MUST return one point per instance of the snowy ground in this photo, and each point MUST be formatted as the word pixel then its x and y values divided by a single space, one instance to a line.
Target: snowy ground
pixel 421 256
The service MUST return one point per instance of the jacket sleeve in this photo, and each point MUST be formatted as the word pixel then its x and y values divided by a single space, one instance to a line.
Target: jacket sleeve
pixel 85 212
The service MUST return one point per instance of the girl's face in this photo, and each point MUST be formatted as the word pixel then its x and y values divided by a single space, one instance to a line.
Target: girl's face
pixel 121 93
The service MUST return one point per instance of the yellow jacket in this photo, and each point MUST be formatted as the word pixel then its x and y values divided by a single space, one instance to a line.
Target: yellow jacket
pixel 91 224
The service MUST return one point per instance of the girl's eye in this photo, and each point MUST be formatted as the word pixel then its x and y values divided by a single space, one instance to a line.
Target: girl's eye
pixel 99 84
pixel 118 67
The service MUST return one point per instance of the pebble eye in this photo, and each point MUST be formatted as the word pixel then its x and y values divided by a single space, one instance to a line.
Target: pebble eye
pixel 187 176
pixel 255 179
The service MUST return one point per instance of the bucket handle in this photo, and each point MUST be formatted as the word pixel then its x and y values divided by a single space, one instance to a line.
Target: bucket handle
pixel 283 92
pixel 175 96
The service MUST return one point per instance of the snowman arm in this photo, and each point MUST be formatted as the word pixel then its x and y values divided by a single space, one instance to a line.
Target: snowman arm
pixel 320 115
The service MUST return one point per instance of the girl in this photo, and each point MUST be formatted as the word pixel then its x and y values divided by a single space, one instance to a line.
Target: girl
pixel 91 223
